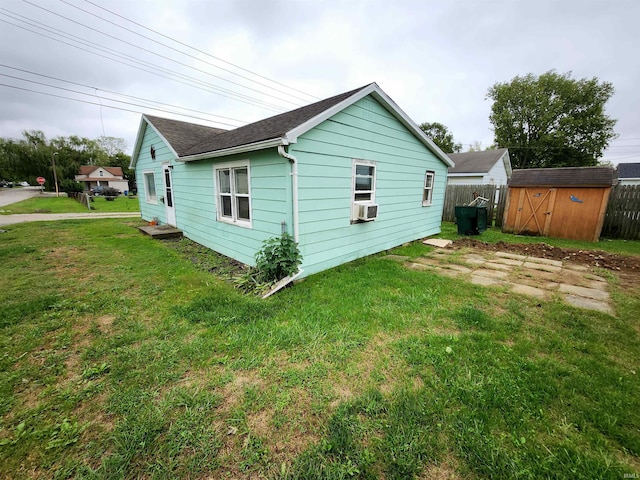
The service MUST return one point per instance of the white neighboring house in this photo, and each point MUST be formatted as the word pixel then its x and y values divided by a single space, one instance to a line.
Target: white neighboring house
pixel 489 167
pixel 92 176
pixel 629 174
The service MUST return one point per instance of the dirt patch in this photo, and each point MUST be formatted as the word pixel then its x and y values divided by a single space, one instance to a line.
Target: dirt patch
pixel 592 258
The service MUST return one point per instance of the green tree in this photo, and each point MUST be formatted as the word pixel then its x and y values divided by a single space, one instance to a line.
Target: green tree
pixel 552 120
pixel 441 136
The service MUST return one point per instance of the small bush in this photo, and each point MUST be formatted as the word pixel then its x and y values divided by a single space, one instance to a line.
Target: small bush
pixel 278 258
pixel 68 185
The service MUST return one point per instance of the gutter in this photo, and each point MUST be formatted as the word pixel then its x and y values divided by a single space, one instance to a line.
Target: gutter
pixel 230 151
pixel 294 181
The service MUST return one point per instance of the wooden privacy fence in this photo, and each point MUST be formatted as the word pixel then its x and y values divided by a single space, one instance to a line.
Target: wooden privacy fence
pixel 463 194
pixel 622 218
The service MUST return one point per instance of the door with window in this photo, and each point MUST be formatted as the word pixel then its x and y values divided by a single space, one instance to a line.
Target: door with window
pixel 168 196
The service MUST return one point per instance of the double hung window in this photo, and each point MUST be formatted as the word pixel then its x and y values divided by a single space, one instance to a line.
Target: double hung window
pixel 150 187
pixel 427 194
pixel 234 198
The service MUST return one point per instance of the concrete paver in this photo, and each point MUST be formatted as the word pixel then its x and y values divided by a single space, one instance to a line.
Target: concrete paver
pixel 536 277
pixel 541 266
pixel 528 290
pixel 588 303
pixel 584 292
pixel 513 256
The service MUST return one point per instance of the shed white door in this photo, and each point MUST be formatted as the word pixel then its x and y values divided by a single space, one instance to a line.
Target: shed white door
pixel 168 196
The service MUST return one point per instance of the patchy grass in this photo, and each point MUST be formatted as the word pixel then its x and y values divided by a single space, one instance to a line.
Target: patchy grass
pixel 131 360
pixel 69 205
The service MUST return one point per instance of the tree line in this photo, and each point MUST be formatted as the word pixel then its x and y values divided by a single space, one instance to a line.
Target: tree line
pixel 29 157
pixel 551 120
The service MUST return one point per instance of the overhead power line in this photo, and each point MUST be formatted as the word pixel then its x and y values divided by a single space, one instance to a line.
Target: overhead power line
pixel 155 53
pixel 200 51
pixel 98 104
pixel 120 94
pixel 209 87
pixel 183 52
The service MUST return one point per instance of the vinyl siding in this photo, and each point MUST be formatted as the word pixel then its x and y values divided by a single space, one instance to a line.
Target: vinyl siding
pixel 195 201
pixel 144 164
pixel 364 131
pixel 194 194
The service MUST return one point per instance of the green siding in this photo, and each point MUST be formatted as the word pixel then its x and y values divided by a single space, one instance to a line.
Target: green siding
pixel 365 131
pixel 195 198
pixel 145 163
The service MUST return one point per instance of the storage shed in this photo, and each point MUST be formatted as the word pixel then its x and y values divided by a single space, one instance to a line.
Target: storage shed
pixel 558 202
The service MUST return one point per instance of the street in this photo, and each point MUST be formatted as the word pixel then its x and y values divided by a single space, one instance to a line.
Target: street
pixel 13 195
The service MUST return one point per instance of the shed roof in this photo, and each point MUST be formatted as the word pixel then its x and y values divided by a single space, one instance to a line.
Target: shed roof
pixel 563 177
pixel 629 170
pixel 476 162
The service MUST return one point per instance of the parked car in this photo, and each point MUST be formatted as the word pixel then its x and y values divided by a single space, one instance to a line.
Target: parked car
pixel 24 184
pixel 105 191
pixel 6 184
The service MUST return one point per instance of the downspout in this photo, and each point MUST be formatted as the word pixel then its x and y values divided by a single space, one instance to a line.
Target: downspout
pixel 294 181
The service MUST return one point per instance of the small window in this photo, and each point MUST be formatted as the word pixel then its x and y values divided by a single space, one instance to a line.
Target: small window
pixel 150 187
pixel 427 195
pixel 234 198
pixel 101 173
pixel 363 186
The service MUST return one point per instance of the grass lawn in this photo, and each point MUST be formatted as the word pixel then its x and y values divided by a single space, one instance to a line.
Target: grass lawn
pixel 69 205
pixel 122 358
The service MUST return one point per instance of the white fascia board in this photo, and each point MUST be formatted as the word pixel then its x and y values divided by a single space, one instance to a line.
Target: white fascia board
pixel 374 90
pixel 463 174
pixel 136 150
pixel 273 142
pixel 507 163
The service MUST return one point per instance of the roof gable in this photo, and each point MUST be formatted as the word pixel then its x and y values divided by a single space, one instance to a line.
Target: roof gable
pixel 89 169
pixel 629 170
pixel 563 177
pixel 476 162
pixel 283 129
pixel 269 128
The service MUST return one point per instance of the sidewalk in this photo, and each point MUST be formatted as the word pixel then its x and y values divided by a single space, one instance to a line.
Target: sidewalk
pixel 40 217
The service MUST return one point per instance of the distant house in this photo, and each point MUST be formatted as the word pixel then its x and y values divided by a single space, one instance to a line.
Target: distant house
pixel 490 167
pixel 347 176
pixel 629 174
pixel 92 176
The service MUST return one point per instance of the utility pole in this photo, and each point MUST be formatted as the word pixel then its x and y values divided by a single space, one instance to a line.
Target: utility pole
pixel 55 175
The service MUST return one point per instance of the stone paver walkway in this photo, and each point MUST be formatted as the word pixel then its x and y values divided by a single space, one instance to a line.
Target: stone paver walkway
pixel 537 277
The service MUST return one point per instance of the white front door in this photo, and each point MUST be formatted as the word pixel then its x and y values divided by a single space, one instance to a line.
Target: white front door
pixel 168 196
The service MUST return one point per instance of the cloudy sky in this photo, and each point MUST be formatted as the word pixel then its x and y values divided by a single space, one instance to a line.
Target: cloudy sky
pixel 229 62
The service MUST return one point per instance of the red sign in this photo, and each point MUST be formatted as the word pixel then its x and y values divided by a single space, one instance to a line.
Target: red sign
pixel 41 180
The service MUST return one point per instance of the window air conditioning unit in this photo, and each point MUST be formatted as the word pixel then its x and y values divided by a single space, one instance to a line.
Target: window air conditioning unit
pixel 368 212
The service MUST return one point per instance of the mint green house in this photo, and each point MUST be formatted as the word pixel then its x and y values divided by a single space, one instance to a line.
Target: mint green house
pixel 347 176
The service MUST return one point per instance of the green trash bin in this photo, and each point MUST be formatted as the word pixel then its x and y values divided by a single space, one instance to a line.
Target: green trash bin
pixel 471 220
pixel 481 219
pixel 467 220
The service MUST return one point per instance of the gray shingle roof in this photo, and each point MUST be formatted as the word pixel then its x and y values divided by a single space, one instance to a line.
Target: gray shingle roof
pixel 629 170
pixel 269 128
pixel 563 177
pixel 475 162
pixel 182 135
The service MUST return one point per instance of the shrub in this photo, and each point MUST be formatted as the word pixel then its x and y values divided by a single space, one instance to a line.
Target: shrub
pixel 278 258
pixel 68 185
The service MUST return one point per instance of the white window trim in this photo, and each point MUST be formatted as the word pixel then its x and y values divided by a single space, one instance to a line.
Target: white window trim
pixel 234 220
pixel 428 201
pixel 148 199
pixel 354 203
